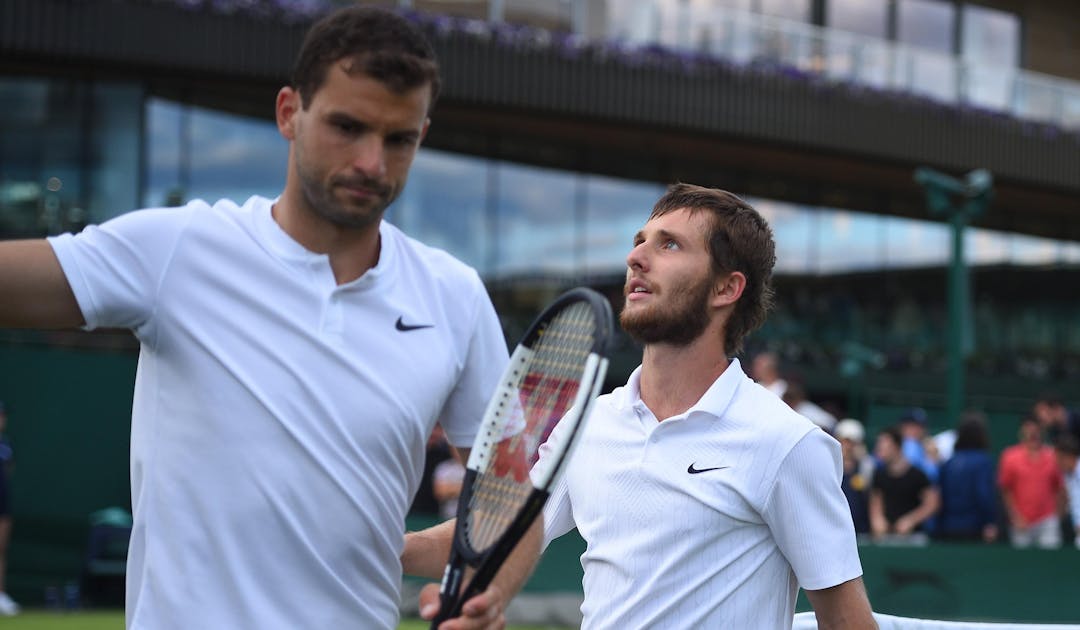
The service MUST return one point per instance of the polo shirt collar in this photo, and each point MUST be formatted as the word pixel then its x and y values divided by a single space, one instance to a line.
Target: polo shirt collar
pixel 713 402
pixel 285 247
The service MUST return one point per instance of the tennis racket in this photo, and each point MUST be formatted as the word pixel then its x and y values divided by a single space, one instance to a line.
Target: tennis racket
pixel 555 373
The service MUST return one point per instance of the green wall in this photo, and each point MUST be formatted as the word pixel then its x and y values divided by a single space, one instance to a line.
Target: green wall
pixel 69 418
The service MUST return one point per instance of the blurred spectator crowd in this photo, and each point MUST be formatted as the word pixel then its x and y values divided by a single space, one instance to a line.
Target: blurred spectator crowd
pixel 913 486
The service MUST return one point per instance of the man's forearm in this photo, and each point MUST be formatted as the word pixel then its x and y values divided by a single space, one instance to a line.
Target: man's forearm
pixel 427 551
pixel 519 566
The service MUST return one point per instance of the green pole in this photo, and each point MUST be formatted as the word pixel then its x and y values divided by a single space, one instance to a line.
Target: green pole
pixel 959 201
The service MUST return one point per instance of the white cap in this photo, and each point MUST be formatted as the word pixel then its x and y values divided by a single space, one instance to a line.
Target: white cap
pixel 850 429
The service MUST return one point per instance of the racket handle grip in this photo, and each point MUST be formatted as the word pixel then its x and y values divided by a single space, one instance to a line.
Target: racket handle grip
pixel 446 605
pixel 451 584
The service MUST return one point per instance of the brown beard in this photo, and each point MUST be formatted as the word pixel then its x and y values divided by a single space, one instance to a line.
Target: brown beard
pixel 678 323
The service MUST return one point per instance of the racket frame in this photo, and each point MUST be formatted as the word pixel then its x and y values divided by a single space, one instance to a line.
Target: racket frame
pixel 497 416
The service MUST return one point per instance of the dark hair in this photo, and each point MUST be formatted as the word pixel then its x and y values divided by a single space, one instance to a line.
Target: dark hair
pixel 380 44
pixel 971 433
pixel 741 240
pixel 894 434
pixel 1067 445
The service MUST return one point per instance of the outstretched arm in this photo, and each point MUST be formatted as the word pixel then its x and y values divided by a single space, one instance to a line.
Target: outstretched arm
pixel 843 607
pixel 35 292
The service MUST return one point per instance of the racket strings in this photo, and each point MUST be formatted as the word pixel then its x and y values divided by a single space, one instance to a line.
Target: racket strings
pixel 548 389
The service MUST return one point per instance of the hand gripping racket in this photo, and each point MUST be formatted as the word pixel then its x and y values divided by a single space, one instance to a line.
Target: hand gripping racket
pixel 554 374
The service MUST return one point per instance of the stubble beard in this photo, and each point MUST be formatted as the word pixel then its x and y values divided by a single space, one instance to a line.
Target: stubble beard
pixel 678 323
pixel 325 205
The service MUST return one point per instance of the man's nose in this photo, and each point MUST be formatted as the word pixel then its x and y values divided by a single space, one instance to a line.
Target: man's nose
pixel 370 157
pixel 636 259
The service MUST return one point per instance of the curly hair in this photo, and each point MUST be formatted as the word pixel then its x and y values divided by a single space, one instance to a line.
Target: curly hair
pixel 379 43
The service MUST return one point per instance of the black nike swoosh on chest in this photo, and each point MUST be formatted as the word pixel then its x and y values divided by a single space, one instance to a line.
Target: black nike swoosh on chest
pixel 402 326
pixel 693 471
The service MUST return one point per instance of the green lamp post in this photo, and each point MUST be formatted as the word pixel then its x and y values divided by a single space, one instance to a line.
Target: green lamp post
pixel 959 201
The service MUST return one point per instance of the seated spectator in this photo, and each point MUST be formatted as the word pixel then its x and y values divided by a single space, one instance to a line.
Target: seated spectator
pixel 968 493
pixel 1031 489
pixel 858 471
pixel 901 496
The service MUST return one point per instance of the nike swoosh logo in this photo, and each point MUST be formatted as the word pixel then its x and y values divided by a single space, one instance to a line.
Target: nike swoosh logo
pixel 693 471
pixel 402 326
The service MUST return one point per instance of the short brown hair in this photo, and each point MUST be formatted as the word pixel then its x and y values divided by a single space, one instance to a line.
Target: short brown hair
pixel 740 240
pixel 380 43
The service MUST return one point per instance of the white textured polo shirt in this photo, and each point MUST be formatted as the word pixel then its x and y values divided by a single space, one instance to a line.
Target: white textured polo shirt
pixel 709 519
pixel 279 420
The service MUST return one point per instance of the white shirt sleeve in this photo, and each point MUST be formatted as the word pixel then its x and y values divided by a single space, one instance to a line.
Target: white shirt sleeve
pixel 115 269
pixel 485 361
pixel 809 516
pixel 558 512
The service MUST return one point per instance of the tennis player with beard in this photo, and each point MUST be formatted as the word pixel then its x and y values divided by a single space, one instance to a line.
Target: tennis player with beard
pixel 704 500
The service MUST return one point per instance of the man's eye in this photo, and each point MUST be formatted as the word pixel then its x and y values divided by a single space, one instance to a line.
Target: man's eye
pixel 669 244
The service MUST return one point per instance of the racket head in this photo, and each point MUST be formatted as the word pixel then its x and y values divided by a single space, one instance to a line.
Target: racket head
pixel 555 372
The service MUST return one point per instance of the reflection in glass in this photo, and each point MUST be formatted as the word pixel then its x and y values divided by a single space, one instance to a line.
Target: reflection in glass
pixel 990 37
pixel 915 243
pixel 990 46
pixel 444 205
pixel 985 247
pixel 1032 250
pixel 195 153
pixel 538 229
pixel 926 24
pixel 615 210
pixel 798 10
pixel 848 241
pixel 866 17
pixel 68 153
pixel 793 230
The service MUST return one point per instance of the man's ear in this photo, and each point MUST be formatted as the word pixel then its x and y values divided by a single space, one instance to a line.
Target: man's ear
pixel 728 288
pixel 287 105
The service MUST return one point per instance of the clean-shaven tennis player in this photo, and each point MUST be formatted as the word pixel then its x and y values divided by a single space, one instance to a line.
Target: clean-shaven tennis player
pixel 295 355
pixel 705 501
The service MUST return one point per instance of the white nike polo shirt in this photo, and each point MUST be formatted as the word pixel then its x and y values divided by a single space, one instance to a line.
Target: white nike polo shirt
pixel 709 519
pixel 279 419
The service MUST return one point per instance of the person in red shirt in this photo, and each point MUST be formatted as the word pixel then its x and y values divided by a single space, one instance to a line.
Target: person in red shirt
pixel 1031 487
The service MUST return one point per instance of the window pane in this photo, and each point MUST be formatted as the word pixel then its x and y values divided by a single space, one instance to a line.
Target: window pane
pixel 848 241
pixel 790 9
pixel 536 223
pixel 196 153
pixel 914 243
pixel 990 37
pixel 444 204
pixel 926 24
pixel 615 210
pixel 793 231
pixel 867 17
pixel 69 154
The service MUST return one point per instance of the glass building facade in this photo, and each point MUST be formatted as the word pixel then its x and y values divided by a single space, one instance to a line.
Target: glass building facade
pixel 73 153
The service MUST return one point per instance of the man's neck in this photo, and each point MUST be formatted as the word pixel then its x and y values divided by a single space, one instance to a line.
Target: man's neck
pixel 674 378
pixel 352 251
